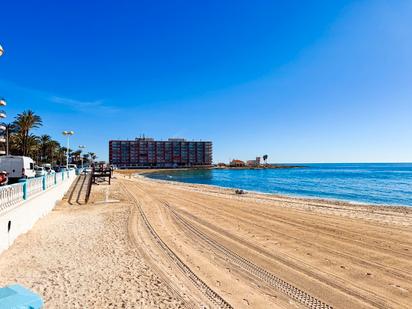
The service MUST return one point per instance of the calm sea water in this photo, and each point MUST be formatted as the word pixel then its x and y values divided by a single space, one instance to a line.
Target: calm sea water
pixel 371 183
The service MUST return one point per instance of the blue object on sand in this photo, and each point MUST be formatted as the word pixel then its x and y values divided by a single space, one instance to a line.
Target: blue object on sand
pixel 17 297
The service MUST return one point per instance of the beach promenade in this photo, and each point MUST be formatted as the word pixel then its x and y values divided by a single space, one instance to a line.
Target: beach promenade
pixel 159 244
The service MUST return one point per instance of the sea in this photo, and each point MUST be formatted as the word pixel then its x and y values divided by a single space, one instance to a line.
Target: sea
pixel 366 183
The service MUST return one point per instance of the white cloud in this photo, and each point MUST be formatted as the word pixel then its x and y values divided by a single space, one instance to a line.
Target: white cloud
pixel 44 96
pixel 84 106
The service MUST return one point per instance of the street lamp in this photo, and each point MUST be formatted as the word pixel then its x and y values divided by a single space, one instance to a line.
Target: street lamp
pixel 67 133
pixel 3 115
pixel 81 157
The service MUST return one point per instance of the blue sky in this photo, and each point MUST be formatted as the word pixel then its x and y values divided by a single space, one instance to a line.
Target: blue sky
pixel 303 81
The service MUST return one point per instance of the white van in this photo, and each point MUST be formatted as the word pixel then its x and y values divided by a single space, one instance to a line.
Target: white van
pixel 17 166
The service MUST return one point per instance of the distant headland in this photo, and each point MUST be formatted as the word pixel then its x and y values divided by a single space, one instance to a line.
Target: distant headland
pixel 254 164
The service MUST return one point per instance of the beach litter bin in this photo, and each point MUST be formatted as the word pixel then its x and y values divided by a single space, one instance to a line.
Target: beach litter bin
pixel 17 297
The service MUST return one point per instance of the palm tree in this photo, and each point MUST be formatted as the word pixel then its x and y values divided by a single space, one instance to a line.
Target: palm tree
pixel 53 151
pixel 76 156
pixel 24 122
pixel 33 148
pixel 16 143
pixel 62 155
pixel 265 157
pixel 44 145
pixel 20 141
pixel 86 157
pixel 92 156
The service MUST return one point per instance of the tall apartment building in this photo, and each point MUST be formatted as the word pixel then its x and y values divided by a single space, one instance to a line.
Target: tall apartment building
pixel 146 152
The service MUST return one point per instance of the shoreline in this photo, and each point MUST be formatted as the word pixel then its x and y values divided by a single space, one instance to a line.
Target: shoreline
pixel 301 198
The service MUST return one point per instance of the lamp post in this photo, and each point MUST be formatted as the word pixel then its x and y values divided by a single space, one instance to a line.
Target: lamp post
pixel 3 129
pixel 81 157
pixel 68 134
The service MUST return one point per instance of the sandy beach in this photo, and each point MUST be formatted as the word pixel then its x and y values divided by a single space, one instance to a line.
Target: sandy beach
pixel 161 244
pixel 81 257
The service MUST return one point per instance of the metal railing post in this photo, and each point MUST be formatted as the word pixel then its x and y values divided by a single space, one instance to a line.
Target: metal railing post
pixel 44 183
pixel 24 190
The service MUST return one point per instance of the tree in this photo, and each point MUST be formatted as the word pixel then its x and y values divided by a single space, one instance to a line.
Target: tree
pixel 44 145
pixel 53 151
pixel 25 122
pixel 43 149
pixel 265 157
pixel 33 149
pixel 62 155
pixel 76 156
pixel 92 156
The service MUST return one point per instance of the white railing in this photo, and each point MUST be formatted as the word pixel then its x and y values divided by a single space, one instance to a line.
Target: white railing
pixel 15 194
pixel 59 177
pixel 34 185
pixel 11 195
pixel 50 180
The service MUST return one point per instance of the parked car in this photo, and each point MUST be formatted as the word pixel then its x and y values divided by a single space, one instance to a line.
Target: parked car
pixel 72 166
pixel 17 167
pixel 48 168
pixel 40 171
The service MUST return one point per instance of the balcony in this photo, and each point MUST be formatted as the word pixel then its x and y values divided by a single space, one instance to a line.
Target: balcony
pixel 3 114
pixel 2 128
pixel 3 102
pixel 2 139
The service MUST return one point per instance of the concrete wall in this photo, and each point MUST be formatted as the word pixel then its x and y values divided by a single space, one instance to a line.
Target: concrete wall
pixel 21 218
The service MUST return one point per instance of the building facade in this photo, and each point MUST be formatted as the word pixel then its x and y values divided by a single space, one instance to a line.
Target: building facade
pixel 253 163
pixel 237 163
pixel 146 152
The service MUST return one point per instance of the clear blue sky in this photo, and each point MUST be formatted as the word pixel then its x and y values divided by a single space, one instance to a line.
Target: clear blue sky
pixel 303 81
